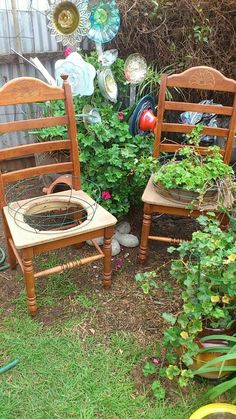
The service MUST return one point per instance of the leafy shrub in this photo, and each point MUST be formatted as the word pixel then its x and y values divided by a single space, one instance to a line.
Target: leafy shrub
pixel 109 155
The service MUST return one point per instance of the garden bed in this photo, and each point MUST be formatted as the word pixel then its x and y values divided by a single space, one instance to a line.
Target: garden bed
pixel 75 304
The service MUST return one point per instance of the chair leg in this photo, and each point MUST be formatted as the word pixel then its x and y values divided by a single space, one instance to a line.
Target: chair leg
pixel 147 218
pixel 107 250
pixel 29 280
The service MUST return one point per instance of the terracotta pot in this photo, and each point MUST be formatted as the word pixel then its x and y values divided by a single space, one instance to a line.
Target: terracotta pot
pixel 184 195
pixel 203 358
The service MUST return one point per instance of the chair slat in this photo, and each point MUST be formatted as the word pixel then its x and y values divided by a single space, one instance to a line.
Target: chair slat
pixel 25 125
pixel 36 171
pixel 186 128
pixel 172 148
pixel 197 107
pixel 28 149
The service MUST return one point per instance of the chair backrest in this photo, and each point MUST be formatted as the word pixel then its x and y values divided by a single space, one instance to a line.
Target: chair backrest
pixel 201 78
pixel 31 90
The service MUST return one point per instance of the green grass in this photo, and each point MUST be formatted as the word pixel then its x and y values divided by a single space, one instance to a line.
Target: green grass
pixel 60 376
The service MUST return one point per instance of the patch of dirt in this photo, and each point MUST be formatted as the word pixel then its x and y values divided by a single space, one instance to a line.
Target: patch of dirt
pixel 124 307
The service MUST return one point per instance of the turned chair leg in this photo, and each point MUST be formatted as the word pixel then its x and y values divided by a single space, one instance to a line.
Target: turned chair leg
pixel 107 263
pixel 147 218
pixel 29 280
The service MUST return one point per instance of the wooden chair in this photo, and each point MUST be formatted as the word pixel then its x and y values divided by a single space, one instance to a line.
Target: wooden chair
pixel 24 243
pixel 202 78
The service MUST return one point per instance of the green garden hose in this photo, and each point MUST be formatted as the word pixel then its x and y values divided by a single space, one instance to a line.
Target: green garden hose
pixel 3 268
pixel 2 260
pixel 9 366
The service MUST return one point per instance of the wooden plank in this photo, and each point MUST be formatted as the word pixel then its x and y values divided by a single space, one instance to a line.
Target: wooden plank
pixel 186 128
pixel 36 171
pixel 28 90
pixel 28 124
pixel 172 148
pixel 197 107
pixel 160 115
pixel 29 149
pixel 72 131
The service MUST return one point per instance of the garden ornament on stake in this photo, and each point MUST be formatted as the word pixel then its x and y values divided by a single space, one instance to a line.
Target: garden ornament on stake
pixel 135 72
pixel 105 23
pixel 27 218
pixel 143 118
pixel 80 74
pixel 69 21
pixel 106 81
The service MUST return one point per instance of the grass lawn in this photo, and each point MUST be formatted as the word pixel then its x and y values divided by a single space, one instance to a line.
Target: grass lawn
pixel 83 354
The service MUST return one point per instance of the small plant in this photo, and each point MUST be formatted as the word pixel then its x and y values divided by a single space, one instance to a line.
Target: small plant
pixel 191 171
pixel 206 270
pixel 146 280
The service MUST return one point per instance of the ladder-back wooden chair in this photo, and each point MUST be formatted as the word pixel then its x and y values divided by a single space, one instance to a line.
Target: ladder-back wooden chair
pixel 202 78
pixel 24 243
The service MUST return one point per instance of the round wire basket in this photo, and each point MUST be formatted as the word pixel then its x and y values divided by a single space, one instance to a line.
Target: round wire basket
pixel 36 212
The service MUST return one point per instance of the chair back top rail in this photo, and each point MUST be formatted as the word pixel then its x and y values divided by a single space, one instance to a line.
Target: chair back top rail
pixel 28 90
pixel 201 78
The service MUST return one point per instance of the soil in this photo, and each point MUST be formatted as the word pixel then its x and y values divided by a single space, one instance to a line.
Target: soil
pixel 124 307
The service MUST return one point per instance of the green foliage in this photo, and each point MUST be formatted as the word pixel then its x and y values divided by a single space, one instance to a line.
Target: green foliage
pixel 206 270
pixel 146 280
pixel 109 155
pixel 158 390
pixel 190 170
pixel 149 369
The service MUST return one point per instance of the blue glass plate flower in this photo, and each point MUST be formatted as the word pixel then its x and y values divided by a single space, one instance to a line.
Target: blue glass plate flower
pixel 105 22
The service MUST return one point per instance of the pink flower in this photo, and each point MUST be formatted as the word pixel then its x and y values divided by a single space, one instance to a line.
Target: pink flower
pixel 67 51
pixel 106 195
pixel 121 116
pixel 156 361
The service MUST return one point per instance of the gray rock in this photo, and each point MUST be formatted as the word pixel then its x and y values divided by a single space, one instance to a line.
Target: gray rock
pixel 127 240
pixel 115 247
pixel 98 240
pixel 123 227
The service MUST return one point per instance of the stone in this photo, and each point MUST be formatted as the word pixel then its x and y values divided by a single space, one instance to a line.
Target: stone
pixel 115 247
pixel 123 227
pixel 98 240
pixel 127 240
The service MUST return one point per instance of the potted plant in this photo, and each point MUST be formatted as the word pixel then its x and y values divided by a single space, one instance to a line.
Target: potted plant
pixel 190 175
pixel 206 271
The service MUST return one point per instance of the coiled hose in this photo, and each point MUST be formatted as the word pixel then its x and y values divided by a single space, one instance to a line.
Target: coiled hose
pixel 2 260
pixel 3 268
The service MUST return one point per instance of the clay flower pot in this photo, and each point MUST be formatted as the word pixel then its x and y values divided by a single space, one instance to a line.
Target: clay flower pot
pixel 203 358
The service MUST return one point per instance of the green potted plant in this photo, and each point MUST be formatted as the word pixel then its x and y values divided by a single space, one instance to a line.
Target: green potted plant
pixel 206 271
pixel 190 175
